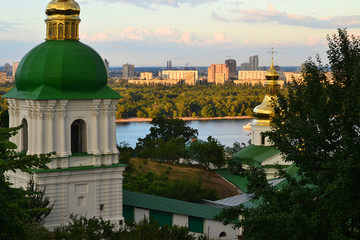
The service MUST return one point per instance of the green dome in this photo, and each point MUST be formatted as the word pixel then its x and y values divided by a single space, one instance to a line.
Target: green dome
pixel 61 70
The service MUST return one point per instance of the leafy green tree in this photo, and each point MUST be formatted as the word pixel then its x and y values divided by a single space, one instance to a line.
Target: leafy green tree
pixel 18 208
pixel 166 128
pixel 316 126
pixel 166 139
pixel 161 185
pixel 210 152
pixel 4 113
pixel 80 227
pixel 235 148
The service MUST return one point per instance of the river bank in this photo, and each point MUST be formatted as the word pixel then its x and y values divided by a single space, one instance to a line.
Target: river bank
pixel 184 118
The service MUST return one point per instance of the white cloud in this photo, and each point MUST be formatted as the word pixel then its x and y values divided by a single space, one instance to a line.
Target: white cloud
pixel 220 37
pixel 152 3
pixel 271 14
pixel 160 35
pixel 6 26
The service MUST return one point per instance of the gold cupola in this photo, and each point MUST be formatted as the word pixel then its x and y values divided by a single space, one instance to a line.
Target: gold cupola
pixel 63 20
pixel 264 111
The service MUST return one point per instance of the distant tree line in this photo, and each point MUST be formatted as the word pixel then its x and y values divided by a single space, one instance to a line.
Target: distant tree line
pixel 183 100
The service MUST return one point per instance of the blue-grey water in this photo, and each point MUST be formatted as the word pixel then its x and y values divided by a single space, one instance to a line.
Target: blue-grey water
pixel 226 131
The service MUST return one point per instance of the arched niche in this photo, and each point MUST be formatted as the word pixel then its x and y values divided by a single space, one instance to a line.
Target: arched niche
pixel 78 136
pixel 24 135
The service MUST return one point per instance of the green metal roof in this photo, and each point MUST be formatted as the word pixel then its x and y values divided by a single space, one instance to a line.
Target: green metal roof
pixel 169 205
pixel 239 181
pixel 61 70
pixel 255 154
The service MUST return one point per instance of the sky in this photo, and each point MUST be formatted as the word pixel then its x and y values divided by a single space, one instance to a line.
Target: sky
pixel 188 32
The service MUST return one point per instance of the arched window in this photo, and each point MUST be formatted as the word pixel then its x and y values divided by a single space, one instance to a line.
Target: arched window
pixel 222 234
pixel 24 135
pixel 262 139
pixel 61 31
pixel 78 136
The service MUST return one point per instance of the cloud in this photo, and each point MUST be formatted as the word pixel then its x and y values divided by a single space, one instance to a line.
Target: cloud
pixel 152 3
pixel 6 26
pixel 271 14
pixel 216 17
pixel 219 37
pixel 159 35
pixel 189 38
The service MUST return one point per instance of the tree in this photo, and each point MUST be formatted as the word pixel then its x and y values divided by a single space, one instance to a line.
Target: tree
pixel 16 211
pixel 96 228
pixel 317 127
pixel 210 152
pixel 166 128
pixel 4 113
pixel 166 139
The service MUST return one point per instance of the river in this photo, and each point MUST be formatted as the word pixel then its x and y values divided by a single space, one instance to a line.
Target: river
pixel 226 131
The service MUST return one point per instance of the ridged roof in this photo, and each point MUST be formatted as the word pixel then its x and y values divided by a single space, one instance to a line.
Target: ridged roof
pixel 169 205
pixel 61 70
pixel 255 154
pixel 239 181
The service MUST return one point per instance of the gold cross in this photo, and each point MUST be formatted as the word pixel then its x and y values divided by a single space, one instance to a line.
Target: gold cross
pixel 272 52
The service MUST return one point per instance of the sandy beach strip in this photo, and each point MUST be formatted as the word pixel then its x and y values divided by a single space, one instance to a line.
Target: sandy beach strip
pixel 184 118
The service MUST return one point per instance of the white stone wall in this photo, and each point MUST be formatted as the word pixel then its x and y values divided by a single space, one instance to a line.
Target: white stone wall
pixel 180 220
pixel 257 127
pixel 49 128
pixel 212 230
pixel 93 192
pixel 140 214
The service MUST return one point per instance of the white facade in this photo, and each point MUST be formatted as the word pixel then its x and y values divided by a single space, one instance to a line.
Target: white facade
pixel 49 124
pixel 180 74
pixel 258 127
pixel 212 229
pixel 84 176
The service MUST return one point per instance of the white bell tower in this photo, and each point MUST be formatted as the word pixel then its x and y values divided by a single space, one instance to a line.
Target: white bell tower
pixel 62 99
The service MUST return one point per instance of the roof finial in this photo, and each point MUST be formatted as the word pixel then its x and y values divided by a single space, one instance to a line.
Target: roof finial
pixel 272 73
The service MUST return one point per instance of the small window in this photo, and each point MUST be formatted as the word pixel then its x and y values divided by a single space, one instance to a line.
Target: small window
pixel 262 139
pixel 81 201
pixel 101 207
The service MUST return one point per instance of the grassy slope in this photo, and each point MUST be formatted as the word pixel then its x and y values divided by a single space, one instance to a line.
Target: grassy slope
pixel 209 178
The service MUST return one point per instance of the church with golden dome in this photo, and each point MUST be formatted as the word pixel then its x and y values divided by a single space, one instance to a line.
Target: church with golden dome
pixel 260 152
pixel 62 99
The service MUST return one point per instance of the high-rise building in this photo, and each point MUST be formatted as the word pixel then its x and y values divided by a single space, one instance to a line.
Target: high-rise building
pixel 245 66
pixel 107 66
pixel 169 65
pixel 231 64
pixel 128 71
pixel 218 73
pixel 8 69
pixel 254 63
pixel 15 66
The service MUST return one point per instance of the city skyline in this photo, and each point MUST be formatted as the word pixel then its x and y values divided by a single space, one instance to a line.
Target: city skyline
pixel 192 32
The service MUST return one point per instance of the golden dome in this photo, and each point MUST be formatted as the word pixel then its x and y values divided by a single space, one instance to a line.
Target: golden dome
pixel 63 7
pixel 265 109
pixel 272 73
pixel 63 20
